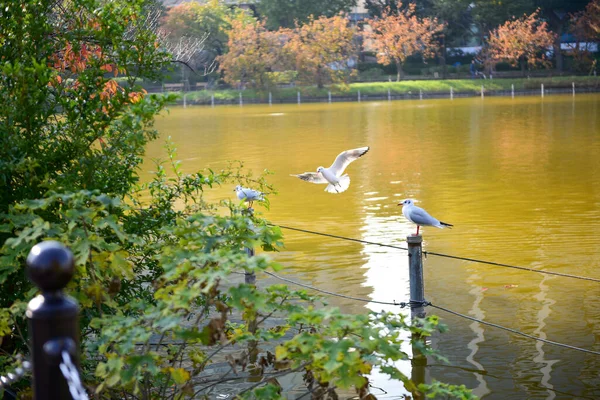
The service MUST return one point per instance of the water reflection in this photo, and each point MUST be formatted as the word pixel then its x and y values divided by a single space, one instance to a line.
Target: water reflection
pixel 544 313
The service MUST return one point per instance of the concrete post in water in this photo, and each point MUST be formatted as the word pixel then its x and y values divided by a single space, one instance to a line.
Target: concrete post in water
pixel 451 93
pixel 298 97
pixel 329 96
pixel 389 95
pixel 212 100
pixel 415 270
pixel 270 99
pixel 573 89
pixel 542 90
pixel 359 96
pixel 512 90
pixel 53 325
pixel 250 279
pixel 241 101
pixel 417 299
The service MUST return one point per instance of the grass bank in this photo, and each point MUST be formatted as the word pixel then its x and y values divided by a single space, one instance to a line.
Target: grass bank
pixel 405 89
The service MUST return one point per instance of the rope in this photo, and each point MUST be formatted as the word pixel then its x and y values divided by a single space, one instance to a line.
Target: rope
pixel 516 332
pixel 427 253
pixel 402 304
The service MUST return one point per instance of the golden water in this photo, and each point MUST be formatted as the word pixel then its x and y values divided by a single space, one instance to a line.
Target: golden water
pixel 518 178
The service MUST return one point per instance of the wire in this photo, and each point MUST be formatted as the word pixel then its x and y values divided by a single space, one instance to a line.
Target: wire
pixel 585 278
pixel 427 253
pixel 402 304
pixel 340 237
pixel 516 332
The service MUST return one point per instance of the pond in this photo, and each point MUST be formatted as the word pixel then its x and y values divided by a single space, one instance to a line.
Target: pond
pixel 519 179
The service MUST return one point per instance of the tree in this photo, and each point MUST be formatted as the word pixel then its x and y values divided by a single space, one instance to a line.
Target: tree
pixel 288 13
pixel 455 16
pixel 488 14
pixel 380 8
pixel 66 123
pixel 254 53
pixel 209 22
pixel 556 13
pixel 523 40
pixel 586 23
pixel 322 49
pixel 394 38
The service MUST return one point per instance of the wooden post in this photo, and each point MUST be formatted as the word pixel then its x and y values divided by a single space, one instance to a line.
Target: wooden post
pixel 573 89
pixel 482 89
pixel 212 100
pixel 329 96
pixel 184 100
pixel 420 94
pixel 298 97
pixel 451 93
pixel 241 101
pixel 512 90
pixel 389 95
pixel 53 325
pixel 415 269
pixel 270 99
pixel 359 96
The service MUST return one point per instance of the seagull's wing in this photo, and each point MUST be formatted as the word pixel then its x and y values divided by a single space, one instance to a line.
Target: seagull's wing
pixel 313 177
pixel 421 217
pixel 345 158
pixel 252 194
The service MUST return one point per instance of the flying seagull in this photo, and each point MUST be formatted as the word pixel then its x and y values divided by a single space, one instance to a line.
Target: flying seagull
pixel 248 195
pixel 337 183
pixel 420 217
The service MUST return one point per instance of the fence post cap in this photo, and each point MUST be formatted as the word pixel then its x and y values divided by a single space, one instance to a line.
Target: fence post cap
pixel 414 239
pixel 50 266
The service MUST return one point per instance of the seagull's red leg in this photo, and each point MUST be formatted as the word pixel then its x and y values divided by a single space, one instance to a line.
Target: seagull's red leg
pixel 418 230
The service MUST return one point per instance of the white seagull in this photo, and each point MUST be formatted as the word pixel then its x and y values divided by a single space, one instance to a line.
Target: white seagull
pixel 248 195
pixel 337 183
pixel 420 217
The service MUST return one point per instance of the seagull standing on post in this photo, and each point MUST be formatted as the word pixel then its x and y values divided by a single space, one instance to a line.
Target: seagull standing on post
pixel 337 183
pixel 248 195
pixel 420 217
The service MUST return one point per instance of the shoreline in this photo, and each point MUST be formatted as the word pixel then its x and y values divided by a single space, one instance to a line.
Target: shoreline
pixel 209 99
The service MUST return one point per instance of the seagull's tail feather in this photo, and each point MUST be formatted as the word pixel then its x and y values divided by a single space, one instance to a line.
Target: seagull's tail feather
pixel 339 187
pixel 445 225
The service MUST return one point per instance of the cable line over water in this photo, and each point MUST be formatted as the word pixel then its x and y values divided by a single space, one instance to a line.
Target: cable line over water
pixel 516 331
pixel 427 253
pixel 404 304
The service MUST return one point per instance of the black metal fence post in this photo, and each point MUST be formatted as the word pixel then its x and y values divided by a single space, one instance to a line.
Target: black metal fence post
pixel 52 318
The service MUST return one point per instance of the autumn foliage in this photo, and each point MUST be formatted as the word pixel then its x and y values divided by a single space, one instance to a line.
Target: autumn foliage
pixel 395 37
pixel 521 40
pixel 319 51
pixel 254 53
pixel 322 49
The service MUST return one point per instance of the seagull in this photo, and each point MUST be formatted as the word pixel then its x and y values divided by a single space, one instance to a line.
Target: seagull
pixel 418 216
pixel 333 175
pixel 248 195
